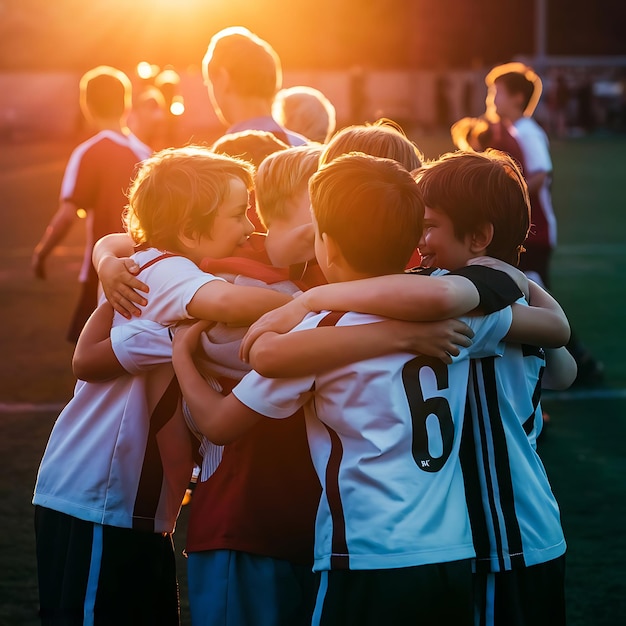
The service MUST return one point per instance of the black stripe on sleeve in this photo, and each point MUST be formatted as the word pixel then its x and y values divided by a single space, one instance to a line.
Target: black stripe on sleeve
pixel 497 289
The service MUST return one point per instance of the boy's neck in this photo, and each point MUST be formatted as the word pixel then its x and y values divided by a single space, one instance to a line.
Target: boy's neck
pixel 514 117
pixel 114 125
pixel 248 109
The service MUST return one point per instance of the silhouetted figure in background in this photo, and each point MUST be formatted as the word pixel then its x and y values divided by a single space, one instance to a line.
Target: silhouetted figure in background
pixel 96 177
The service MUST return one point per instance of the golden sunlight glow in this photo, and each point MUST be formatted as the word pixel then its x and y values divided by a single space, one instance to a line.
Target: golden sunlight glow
pixel 167 77
pixel 146 70
pixel 82 214
pixel 178 105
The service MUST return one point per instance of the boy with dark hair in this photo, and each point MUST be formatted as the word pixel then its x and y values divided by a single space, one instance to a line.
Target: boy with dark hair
pixel 477 204
pixel 96 177
pixel 393 542
pixel 514 90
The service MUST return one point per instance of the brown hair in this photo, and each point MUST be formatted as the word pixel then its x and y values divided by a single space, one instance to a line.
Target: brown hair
pixel 372 208
pixel 252 64
pixel 384 138
pixel 250 145
pixel 179 190
pixel 105 92
pixel 474 189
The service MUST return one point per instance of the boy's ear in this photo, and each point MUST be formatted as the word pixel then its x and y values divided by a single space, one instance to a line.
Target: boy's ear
pixel 187 239
pixel 220 78
pixel 333 253
pixel 482 238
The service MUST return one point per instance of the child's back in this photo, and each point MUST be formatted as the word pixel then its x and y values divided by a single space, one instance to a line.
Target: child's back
pixel 514 515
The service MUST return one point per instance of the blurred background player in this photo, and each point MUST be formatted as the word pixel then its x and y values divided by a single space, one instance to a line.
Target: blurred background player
pixel 148 117
pixel 243 73
pixel 96 177
pixel 307 111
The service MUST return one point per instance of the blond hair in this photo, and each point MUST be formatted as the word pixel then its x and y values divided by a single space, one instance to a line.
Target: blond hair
pixel 384 138
pixel 281 176
pixel 178 191
pixel 307 111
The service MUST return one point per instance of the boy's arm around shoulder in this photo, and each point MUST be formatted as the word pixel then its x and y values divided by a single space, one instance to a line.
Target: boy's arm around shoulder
pixel 94 359
pixel 117 274
pixel 238 305
pixel 319 349
pixel 543 323
pixel 560 371
pixel 411 298
pixel 103 353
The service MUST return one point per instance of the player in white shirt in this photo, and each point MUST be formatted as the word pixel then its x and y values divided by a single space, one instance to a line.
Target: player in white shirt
pixel 476 204
pixel 119 457
pixel 393 540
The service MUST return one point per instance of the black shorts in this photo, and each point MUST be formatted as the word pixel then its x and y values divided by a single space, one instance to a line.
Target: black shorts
pixel 526 596
pixel 103 575
pixel 438 594
pixel 87 302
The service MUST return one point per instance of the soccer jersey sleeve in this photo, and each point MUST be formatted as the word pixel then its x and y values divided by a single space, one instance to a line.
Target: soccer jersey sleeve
pixel 141 345
pixel 173 283
pixel 278 397
pixel 274 397
pixel 489 331
pixel 496 289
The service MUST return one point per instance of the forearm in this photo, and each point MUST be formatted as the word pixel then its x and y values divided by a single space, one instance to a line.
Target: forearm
pixel 560 371
pixel 94 359
pixel 537 327
pixel 234 304
pixel 201 398
pixel 208 408
pixel 115 245
pixel 540 298
pixel 308 352
pixel 315 350
pixel 57 229
pixel 400 296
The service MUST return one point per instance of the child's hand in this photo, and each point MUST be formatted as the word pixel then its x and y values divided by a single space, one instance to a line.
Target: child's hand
pixel 280 320
pixel 119 284
pixel 442 339
pixel 186 338
pixel 516 275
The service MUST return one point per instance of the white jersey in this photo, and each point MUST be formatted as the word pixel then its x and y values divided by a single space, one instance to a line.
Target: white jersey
pixel 514 515
pixel 384 436
pixel 120 453
pixel 535 147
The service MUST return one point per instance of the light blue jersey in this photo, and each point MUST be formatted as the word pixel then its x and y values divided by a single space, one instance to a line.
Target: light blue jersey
pixel 515 517
pixel 384 435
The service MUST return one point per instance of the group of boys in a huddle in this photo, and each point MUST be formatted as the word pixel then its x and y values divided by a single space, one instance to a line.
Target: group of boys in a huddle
pixel 367 449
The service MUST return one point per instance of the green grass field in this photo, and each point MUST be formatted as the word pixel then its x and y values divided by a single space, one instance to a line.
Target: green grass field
pixel 583 449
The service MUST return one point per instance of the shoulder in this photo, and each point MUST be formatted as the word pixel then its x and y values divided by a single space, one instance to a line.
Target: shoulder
pixel 495 288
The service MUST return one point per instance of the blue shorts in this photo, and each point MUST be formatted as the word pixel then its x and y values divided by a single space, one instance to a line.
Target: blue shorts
pixel 230 588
